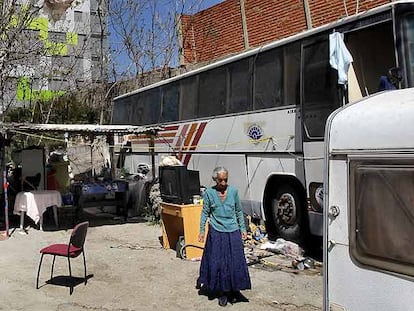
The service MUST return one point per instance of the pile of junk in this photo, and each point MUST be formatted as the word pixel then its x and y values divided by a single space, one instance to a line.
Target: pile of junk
pixel 276 255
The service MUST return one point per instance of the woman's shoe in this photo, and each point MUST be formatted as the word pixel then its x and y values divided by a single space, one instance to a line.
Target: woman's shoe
pixel 198 284
pixel 222 301
pixel 237 296
pixel 233 297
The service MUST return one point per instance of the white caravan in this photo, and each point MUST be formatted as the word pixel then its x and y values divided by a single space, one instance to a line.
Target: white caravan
pixel 369 196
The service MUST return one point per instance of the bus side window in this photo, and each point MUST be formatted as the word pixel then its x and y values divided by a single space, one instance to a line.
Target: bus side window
pixel 240 86
pixel 212 92
pixel 122 111
pixel 188 98
pixel 268 80
pixel 292 74
pixel 152 107
pixel 170 99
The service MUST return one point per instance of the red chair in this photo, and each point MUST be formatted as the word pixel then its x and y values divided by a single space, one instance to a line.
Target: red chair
pixel 71 250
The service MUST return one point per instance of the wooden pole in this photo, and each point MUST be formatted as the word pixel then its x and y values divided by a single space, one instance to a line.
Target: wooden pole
pixel 6 201
pixel 111 154
pixel 308 14
pixel 152 152
pixel 5 183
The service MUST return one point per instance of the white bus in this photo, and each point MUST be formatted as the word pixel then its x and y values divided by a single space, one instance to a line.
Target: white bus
pixel 369 196
pixel 262 113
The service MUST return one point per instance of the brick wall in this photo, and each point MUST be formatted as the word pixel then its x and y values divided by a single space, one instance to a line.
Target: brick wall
pixel 326 11
pixel 212 33
pixel 218 31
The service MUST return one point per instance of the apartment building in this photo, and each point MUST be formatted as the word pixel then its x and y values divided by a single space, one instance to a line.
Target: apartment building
pixel 67 49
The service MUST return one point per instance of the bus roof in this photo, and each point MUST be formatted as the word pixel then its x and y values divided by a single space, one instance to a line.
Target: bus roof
pixel 383 121
pixel 269 46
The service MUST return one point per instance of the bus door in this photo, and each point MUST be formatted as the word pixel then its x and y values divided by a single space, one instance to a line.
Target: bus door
pixel 319 97
pixel 404 33
pixel 373 51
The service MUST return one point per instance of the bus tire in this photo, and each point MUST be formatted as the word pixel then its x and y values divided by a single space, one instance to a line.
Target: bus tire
pixel 288 214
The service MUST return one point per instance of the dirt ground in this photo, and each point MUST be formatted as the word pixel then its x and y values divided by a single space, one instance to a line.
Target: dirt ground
pixel 129 270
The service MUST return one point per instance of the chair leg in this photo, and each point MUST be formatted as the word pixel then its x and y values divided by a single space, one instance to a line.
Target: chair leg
pixel 70 270
pixel 53 265
pixel 84 265
pixel 70 277
pixel 38 272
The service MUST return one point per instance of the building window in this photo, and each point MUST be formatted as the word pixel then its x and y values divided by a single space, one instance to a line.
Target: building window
pixel 97 23
pixel 96 46
pixel 94 5
pixel 382 214
pixel 57 37
pixel 78 17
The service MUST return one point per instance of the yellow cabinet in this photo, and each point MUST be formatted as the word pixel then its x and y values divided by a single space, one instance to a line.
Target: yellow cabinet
pixel 182 220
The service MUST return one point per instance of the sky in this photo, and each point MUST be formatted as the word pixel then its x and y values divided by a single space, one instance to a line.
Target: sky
pixel 210 3
pixel 122 61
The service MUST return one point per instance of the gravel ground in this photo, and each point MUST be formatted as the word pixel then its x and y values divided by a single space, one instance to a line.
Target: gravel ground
pixel 129 270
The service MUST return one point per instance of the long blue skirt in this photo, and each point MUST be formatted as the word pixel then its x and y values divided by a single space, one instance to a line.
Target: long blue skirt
pixel 223 266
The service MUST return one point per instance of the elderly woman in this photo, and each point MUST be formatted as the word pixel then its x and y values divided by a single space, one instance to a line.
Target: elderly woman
pixel 223 269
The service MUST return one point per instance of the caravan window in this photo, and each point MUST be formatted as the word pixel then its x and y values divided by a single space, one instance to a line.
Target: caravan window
pixel 382 214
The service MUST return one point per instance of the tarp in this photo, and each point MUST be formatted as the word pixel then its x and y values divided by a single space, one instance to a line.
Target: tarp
pixel 79 128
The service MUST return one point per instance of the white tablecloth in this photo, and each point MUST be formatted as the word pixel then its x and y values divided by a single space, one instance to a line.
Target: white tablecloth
pixel 35 203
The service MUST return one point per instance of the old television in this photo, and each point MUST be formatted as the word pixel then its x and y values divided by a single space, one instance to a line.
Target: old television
pixel 178 184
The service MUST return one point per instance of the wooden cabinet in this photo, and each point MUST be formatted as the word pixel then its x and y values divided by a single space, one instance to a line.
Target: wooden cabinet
pixel 182 220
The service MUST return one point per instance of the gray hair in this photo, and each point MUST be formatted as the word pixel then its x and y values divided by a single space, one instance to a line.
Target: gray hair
pixel 217 170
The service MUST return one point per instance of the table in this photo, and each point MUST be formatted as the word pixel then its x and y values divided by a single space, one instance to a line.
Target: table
pixel 107 193
pixel 182 220
pixel 35 203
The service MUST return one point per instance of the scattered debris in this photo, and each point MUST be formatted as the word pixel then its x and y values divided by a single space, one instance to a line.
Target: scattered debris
pixel 129 245
pixel 281 246
pixel 276 255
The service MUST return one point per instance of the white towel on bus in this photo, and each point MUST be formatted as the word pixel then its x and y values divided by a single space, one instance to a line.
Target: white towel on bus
pixel 339 56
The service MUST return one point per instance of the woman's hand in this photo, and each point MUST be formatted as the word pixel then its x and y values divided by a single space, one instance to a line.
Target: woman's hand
pixel 201 237
pixel 244 235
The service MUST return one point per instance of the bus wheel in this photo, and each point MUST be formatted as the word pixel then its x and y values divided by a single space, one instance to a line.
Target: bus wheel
pixel 287 212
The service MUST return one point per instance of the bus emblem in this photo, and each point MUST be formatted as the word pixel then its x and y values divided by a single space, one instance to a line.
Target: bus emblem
pixel 255 132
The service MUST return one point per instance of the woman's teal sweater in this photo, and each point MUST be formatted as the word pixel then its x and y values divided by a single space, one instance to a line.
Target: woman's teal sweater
pixel 224 216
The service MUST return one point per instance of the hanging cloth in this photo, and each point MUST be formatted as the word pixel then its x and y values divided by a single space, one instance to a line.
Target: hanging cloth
pixel 339 57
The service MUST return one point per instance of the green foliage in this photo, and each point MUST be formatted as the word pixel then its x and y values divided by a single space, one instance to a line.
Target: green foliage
pixel 66 109
pixel 19 114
